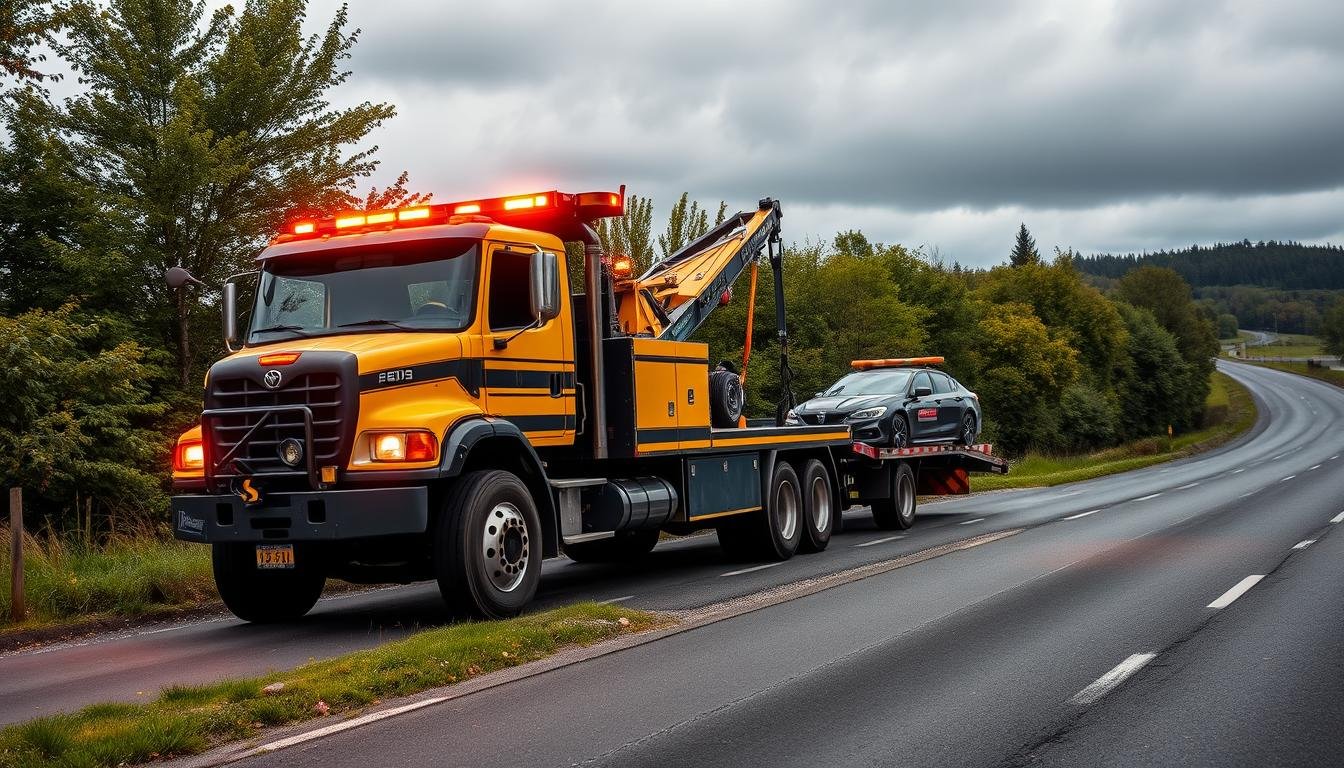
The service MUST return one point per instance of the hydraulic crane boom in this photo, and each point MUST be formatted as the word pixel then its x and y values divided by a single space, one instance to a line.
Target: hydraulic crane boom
pixel 675 296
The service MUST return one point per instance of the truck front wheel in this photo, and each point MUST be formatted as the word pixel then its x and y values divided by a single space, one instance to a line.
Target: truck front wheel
pixel 487 548
pixel 270 595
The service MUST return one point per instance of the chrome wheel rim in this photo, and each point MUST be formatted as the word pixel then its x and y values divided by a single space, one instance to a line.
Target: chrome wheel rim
pixel 968 430
pixel 504 543
pixel 821 503
pixel 898 433
pixel 786 510
pixel 905 497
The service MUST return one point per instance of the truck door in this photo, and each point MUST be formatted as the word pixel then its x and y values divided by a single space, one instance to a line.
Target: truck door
pixel 530 381
pixel 950 405
pixel 922 412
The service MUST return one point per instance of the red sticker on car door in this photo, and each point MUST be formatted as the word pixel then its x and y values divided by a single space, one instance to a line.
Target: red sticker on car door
pixel 927 414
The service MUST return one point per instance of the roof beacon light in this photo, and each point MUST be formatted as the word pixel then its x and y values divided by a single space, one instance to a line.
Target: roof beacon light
pixel 345 222
pixel 896 362
pixel 413 214
pixel 305 228
pixel 382 217
pixel 467 208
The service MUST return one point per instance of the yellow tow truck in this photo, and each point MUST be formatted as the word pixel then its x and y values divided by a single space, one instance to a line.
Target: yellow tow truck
pixel 420 394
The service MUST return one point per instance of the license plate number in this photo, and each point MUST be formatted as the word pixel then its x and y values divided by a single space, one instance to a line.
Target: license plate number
pixel 275 555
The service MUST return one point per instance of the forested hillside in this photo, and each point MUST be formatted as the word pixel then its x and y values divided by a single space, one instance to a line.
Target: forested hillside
pixel 1286 265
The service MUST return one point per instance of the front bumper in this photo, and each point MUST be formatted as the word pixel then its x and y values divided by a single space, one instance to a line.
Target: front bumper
pixel 308 516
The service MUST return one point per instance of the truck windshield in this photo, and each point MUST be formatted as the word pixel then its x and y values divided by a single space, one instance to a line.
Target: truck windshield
pixel 879 382
pixel 427 285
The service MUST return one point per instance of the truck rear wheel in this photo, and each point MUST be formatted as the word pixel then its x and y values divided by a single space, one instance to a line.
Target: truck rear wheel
pixel 487 548
pixel 269 595
pixel 773 532
pixel 897 511
pixel 623 547
pixel 819 512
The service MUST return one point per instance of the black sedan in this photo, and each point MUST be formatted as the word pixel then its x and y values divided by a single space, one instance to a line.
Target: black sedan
pixel 894 405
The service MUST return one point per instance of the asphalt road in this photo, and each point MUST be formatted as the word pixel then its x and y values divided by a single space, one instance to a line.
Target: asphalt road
pixel 998 654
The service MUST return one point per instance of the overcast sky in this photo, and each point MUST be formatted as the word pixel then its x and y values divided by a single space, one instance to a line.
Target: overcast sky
pixel 1105 126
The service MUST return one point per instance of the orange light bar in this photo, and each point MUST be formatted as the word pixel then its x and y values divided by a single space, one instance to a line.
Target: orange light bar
pixel 382 217
pixel 413 214
pixel 305 228
pixel 518 203
pixel 895 362
pixel 279 358
pixel 345 222
pixel 467 208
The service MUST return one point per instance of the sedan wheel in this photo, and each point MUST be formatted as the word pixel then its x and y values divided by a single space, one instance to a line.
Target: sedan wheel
pixel 900 432
pixel 967 434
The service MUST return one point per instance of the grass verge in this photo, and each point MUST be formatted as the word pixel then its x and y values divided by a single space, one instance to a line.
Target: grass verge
pixel 1302 369
pixel 125 577
pixel 1229 409
pixel 187 720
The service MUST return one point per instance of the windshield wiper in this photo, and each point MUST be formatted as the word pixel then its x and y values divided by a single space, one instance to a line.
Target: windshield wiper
pixel 379 321
pixel 296 329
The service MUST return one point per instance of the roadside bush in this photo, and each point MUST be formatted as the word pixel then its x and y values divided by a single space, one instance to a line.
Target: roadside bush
pixel 1088 420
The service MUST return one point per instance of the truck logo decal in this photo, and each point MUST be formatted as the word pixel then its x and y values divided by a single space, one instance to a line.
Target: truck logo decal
pixel 188 524
pixel 272 378
pixel 927 414
pixel 396 376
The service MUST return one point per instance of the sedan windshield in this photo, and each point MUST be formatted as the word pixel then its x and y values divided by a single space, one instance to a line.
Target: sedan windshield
pixel 888 381
pixel 420 286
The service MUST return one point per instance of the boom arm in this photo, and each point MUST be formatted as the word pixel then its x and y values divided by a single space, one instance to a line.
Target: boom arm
pixel 675 297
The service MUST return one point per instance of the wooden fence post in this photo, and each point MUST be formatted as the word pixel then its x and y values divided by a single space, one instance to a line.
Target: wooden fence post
pixel 18 611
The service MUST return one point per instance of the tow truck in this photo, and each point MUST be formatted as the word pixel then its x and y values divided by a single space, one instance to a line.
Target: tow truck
pixel 421 394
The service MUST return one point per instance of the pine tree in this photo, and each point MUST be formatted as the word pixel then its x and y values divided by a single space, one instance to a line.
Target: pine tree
pixel 1024 250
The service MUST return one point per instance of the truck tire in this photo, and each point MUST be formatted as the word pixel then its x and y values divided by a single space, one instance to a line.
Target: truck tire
pixel 266 596
pixel 487 546
pixel 897 511
pixel 771 533
pixel 819 512
pixel 625 546
pixel 725 399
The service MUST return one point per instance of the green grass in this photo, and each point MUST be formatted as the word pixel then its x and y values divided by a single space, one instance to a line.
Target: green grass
pixel 126 577
pixel 1229 411
pixel 1302 369
pixel 187 720
pixel 1289 345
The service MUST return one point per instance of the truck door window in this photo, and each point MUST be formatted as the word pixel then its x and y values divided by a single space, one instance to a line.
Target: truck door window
pixel 510 302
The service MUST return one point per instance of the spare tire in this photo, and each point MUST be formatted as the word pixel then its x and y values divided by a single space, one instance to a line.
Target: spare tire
pixel 725 399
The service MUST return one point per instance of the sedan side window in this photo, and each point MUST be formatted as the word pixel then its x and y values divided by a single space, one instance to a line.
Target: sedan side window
pixel 921 380
pixel 941 385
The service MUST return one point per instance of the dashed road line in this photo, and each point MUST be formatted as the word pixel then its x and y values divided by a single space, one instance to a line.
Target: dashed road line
pixel 1313 468
pixel 1237 591
pixel 1304 544
pixel 1248 493
pixel 968 522
pixel 1082 514
pixel 880 541
pixel 1188 486
pixel 1286 479
pixel 1236 471
pixel 1338 518
pixel 751 569
pixel 1107 682
pixel 1149 496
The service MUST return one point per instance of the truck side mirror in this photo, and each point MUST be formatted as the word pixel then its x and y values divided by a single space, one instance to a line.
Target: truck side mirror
pixel 545 286
pixel 176 277
pixel 228 305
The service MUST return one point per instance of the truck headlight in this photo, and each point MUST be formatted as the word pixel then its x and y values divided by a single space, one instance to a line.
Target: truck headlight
pixel 403 446
pixel 868 413
pixel 189 455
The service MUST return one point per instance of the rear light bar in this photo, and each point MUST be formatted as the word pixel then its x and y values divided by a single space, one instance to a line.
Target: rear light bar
pixel 585 206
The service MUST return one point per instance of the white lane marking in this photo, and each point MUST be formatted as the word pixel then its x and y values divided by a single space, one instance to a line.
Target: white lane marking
pixel 620 599
pixel 345 726
pixel 1338 518
pixel 1286 479
pixel 1235 471
pixel 1280 456
pixel 1104 684
pixel 1237 591
pixel 1187 486
pixel 753 568
pixel 1336 456
pixel 879 541
pixel 1248 493
pixel 1313 468
pixel 1082 514
pixel 968 522
pixel 1067 495
pixel 1304 544
pixel 1149 496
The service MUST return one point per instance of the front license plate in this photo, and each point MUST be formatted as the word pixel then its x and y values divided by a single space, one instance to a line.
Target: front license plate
pixel 275 555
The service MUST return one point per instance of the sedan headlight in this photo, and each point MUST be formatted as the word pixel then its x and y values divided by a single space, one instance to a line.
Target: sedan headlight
pixel 792 418
pixel 869 413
